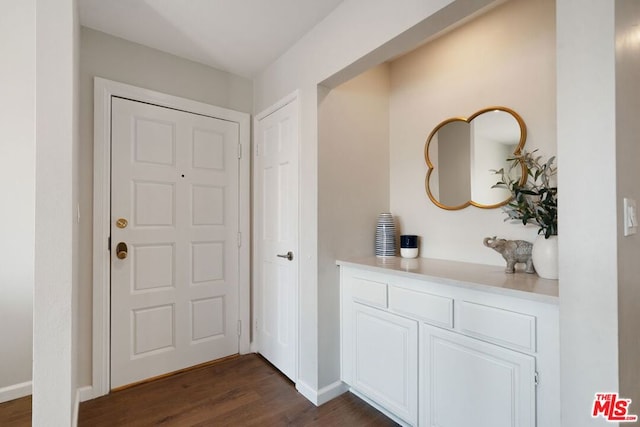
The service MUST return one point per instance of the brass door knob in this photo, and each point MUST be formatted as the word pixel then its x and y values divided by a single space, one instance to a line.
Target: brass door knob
pixel 121 250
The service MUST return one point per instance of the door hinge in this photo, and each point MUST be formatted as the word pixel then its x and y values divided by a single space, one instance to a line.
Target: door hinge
pixel 109 244
pixel 239 327
pixel 239 239
pixel 536 378
pixel 239 150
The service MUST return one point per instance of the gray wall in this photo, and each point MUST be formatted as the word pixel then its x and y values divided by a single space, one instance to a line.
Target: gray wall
pixel 353 187
pixel 628 183
pixel 116 59
pixel 17 187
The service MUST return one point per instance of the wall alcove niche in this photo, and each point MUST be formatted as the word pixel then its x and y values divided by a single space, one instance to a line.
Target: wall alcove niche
pixel 373 127
pixel 372 130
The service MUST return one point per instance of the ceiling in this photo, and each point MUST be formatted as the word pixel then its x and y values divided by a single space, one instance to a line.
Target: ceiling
pixel 239 36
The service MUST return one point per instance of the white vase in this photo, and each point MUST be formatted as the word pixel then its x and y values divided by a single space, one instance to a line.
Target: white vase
pixel 545 257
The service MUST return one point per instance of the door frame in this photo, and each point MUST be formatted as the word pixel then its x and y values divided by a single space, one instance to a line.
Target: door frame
pixel 293 97
pixel 104 90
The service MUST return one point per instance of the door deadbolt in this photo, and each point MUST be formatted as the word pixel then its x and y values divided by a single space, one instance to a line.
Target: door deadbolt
pixel 121 250
pixel 288 255
pixel 122 223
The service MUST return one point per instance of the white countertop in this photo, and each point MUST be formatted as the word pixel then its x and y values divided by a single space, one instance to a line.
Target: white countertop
pixel 488 278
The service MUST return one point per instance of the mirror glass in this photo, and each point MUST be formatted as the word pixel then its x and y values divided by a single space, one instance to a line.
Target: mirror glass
pixel 461 154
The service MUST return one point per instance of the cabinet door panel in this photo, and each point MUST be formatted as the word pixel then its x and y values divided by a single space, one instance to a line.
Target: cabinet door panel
pixel 467 382
pixel 385 362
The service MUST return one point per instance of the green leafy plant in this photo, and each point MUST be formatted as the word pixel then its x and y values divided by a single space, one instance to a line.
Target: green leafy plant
pixel 534 197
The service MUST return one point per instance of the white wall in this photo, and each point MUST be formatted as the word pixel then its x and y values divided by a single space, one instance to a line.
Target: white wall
pixel 55 312
pixel 505 57
pixel 627 15
pixel 17 187
pixel 357 35
pixel 353 187
pixel 123 61
pixel 587 206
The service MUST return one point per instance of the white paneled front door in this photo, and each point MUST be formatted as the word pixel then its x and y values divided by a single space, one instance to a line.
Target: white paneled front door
pixel 174 240
pixel 276 232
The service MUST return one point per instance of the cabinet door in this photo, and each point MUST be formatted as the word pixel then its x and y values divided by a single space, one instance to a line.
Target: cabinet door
pixel 385 360
pixel 467 382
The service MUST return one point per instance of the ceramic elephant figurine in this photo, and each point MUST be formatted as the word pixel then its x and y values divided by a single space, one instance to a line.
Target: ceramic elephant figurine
pixel 513 251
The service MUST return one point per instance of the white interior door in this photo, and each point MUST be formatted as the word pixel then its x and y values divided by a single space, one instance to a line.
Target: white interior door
pixel 174 298
pixel 276 231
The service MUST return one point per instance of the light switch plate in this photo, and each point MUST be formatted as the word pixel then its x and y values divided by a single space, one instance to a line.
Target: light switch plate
pixel 630 217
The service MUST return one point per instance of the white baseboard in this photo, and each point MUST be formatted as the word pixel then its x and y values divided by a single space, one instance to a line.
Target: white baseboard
pixel 15 391
pixel 331 391
pixel 82 394
pixel 86 393
pixel 322 396
pixel 76 409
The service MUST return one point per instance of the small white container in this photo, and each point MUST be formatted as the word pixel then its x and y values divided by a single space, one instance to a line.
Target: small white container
pixel 408 252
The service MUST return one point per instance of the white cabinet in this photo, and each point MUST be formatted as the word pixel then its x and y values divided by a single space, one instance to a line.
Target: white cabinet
pixel 440 354
pixel 385 360
pixel 467 382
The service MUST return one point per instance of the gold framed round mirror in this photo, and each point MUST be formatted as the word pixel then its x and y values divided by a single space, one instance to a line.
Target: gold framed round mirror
pixel 462 154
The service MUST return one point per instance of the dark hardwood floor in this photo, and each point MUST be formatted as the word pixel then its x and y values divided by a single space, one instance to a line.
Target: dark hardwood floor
pixel 245 391
pixel 16 413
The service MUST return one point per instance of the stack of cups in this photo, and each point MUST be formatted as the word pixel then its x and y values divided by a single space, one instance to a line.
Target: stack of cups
pixel 385 235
